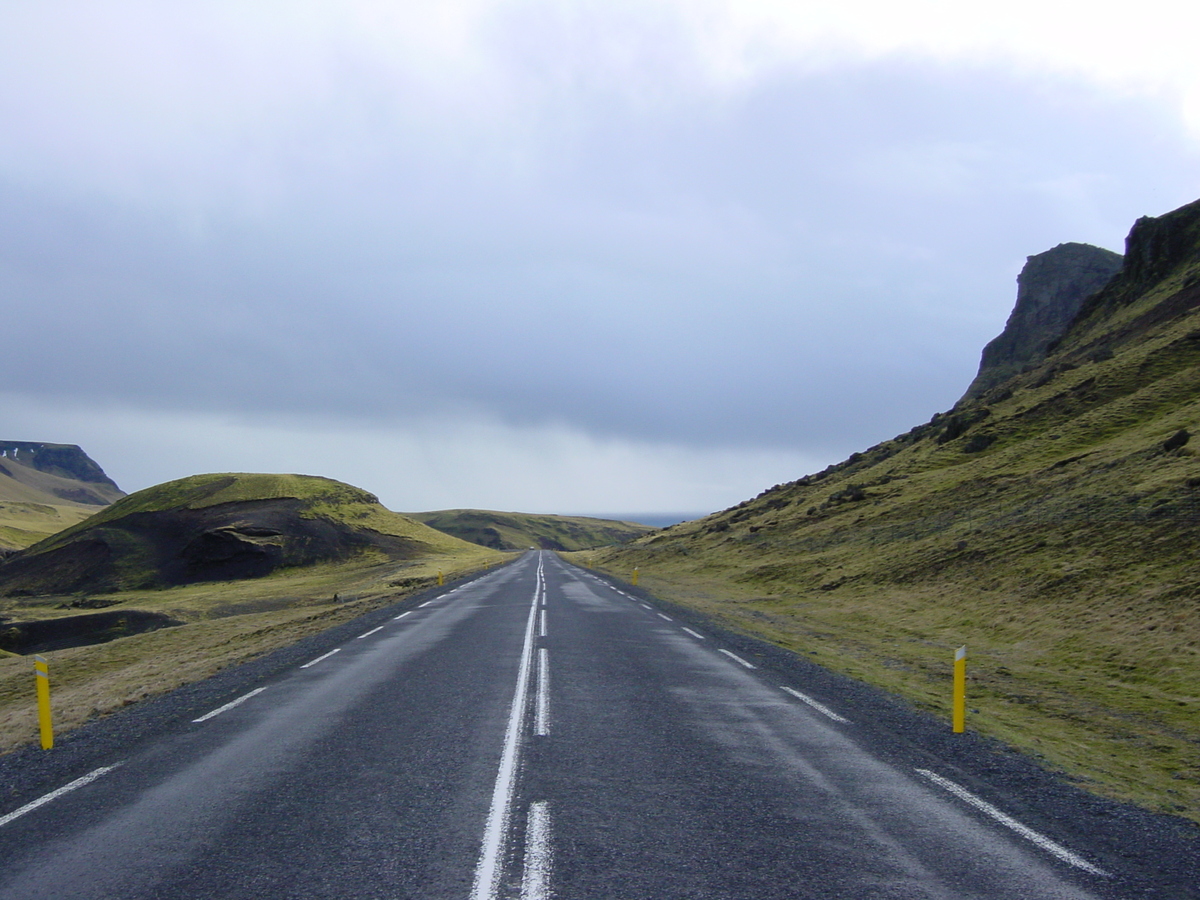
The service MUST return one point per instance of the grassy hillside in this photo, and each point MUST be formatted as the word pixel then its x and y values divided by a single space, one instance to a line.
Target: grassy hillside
pixel 218 527
pixel 23 523
pixel 36 504
pixel 1050 525
pixel 340 553
pixel 518 531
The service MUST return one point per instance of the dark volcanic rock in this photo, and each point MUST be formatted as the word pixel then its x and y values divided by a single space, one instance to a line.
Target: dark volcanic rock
pixel 1050 291
pixel 247 539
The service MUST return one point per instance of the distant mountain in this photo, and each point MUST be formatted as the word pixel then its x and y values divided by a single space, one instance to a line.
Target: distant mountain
pixel 216 528
pixel 517 531
pixel 1051 521
pixel 53 473
pixel 45 488
pixel 1050 290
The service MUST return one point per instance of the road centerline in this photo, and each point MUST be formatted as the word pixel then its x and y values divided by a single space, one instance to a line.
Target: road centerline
pixel 542 715
pixel 489 868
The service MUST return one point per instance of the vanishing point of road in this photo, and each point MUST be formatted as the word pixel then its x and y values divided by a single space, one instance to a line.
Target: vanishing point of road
pixel 534 732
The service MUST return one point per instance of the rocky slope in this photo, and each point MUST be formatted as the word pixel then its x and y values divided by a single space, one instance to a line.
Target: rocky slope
pixel 1049 522
pixel 77 477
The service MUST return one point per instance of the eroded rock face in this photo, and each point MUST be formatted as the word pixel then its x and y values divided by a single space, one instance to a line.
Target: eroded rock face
pixel 64 460
pixel 1050 291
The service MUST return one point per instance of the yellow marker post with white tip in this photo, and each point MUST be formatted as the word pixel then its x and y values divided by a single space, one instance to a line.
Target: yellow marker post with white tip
pixel 41 671
pixel 960 690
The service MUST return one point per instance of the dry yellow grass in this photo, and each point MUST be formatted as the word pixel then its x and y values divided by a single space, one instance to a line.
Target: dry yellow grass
pixel 226 623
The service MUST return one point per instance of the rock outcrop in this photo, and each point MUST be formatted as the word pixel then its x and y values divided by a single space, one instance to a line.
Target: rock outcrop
pixel 216 528
pixel 64 460
pixel 1051 289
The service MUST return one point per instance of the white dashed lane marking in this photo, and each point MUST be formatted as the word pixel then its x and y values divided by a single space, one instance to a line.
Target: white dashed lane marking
pixel 737 658
pixel 819 707
pixel 319 658
pixel 46 798
pixel 230 705
pixel 1009 822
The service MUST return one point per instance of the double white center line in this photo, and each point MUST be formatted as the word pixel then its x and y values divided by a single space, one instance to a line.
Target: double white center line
pixel 489 869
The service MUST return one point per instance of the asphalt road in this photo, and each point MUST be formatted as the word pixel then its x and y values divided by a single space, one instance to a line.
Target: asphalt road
pixel 539 732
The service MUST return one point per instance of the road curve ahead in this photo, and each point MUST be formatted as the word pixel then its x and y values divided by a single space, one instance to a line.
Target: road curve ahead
pixel 533 733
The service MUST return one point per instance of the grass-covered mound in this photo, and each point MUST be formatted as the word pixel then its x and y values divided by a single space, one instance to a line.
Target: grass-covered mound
pixel 216 528
pixel 519 531
pixel 1052 525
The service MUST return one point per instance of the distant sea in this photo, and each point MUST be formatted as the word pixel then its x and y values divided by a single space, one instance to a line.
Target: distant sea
pixel 654 520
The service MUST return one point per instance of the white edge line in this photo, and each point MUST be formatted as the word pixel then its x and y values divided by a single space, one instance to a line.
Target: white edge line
pixel 1009 822
pixel 46 798
pixel 402 615
pixel 230 705
pixel 319 658
pixel 819 707
pixel 737 658
pixel 426 603
pixel 369 633
pixel 693 633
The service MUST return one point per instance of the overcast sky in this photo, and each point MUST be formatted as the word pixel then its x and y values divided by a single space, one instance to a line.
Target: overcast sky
pixel 592 257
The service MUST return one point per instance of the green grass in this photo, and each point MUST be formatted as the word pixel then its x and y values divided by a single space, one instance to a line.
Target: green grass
pixel 1063 555
pixel 516 531
pixel 23 524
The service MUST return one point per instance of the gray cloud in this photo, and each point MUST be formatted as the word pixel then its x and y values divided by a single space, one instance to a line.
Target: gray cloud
pixel 811 261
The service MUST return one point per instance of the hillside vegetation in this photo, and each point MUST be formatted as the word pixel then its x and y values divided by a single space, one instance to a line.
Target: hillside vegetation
pixel 1050 524
pixel 45 488
pixel 218 527
pixel 519 531
pixel 174 583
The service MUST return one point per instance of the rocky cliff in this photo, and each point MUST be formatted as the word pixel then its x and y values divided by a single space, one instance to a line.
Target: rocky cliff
pixel 64 460
pixel 1051 522
pixel 1050 291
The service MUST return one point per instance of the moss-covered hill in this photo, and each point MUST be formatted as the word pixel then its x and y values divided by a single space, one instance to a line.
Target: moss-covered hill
pixel 218 527
pixel 1052 525
pixel 518 531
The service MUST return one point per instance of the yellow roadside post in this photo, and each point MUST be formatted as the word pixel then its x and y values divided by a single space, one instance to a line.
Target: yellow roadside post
pixel 960 690
pixel 41 670
pixel 441 579
pixel 635 575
